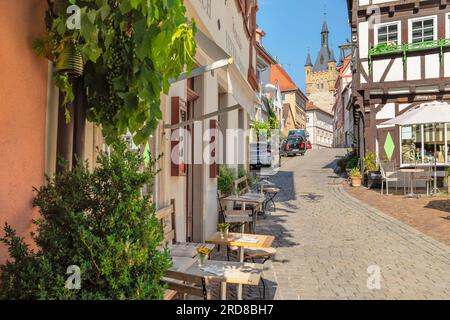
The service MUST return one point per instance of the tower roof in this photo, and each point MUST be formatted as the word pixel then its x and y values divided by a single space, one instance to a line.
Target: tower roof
pixel 323 59
pixel 308 61
pixel 325 26
pixel 332 58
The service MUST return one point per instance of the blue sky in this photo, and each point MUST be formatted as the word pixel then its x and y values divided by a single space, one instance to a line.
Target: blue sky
pixel 293 26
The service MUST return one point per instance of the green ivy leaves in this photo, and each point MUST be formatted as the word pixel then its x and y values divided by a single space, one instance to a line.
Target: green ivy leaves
pixel 131 49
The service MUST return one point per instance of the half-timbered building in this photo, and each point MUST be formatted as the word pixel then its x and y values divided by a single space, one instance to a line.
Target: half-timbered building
pixel 402 59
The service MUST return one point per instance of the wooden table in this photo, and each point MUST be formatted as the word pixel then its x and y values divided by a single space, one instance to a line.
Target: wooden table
pixel 181 264
pixel 234 272
pixel 411 173
pixel 262 241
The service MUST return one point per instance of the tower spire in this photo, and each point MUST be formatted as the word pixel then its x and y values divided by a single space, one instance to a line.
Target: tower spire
pixel 325 32
pixel 308 60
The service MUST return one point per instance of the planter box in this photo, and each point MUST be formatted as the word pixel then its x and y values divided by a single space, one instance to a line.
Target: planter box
pixel 373 180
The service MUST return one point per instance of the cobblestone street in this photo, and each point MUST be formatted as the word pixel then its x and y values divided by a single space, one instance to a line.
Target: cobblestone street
pixel 326 240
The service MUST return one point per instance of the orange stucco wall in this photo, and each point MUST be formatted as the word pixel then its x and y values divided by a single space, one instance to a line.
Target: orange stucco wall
pixel 23 95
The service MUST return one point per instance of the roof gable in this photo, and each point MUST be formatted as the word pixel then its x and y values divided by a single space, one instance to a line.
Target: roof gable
pixel 277 73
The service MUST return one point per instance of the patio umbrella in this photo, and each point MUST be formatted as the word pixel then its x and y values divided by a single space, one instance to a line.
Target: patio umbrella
pixel 426 113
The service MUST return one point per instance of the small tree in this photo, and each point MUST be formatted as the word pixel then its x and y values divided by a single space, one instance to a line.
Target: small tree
pixel 98 221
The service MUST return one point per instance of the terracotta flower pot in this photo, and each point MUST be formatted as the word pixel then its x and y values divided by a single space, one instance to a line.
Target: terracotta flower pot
pixel 356 182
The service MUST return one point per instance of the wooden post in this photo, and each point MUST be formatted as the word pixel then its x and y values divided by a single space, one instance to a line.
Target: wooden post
pixel 64 150
pixel 79 139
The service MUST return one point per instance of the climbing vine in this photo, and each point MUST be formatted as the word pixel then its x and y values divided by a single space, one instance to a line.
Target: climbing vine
pixel 273 124
pixel 130 51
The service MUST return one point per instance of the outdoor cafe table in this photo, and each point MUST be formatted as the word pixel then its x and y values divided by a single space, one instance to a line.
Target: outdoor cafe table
pixel 229 272
pixel 237 240
pixel 411 173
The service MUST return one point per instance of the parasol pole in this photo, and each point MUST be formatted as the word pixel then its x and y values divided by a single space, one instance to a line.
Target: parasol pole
pixel 435 188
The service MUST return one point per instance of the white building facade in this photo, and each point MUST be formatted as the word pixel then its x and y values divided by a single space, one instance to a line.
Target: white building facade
pixel 203 114
pixel 319 125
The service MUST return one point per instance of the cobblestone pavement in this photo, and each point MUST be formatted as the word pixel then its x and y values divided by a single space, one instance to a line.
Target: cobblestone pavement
pixel 327 240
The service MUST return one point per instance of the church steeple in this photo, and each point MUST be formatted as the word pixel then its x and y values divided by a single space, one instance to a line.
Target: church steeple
pixel 325 32
pixel 308 60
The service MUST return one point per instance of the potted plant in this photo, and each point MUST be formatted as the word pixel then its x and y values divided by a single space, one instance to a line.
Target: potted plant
pixel 356 177
pixel 203 254
pixel 70 60
pixel 372 171
pixel 224 229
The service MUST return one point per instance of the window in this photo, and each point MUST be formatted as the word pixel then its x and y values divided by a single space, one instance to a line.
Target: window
pixel 423 29
pixel 411 144
pixel 388 33
pixel 422 143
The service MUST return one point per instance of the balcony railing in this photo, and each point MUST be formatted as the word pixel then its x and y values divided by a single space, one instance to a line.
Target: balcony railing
pixel 387 49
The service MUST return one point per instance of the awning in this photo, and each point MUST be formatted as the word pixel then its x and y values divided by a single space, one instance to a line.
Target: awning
pixel 426 113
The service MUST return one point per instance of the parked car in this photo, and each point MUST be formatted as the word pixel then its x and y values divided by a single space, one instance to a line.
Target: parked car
pixel 298 134
pixel 294 146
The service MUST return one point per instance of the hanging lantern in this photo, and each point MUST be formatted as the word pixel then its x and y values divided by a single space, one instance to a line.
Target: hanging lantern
pixel 70 61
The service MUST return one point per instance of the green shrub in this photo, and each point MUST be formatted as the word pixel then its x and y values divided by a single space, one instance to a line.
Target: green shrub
pixel 225 180
pixel 99 222
pixel 352 162
pixel 370 162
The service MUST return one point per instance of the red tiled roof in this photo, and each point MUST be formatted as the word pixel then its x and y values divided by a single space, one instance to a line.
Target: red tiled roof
pixel 311 106
pixel 277 73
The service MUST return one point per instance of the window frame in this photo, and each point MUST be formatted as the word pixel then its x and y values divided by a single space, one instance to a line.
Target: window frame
pixel 422 128
pixel 447 25
pixel 387 24
pixel 435 27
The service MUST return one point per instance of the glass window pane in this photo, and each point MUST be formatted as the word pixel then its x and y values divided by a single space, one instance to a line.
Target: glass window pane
pixel 417 25
pixel 393 38
pixel 417 34
pixel 382 39
pixel 411 144
pixel 428 23
pixel 393 28
pixel 434 142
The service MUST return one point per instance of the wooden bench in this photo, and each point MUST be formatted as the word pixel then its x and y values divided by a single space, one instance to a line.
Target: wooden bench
pixel 241 181
pixel 166 216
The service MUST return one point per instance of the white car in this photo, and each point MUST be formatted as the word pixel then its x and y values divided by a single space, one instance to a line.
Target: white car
pixel 260 155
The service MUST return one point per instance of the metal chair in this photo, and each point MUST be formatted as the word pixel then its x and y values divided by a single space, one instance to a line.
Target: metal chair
pixel 388 174
pixel 427 176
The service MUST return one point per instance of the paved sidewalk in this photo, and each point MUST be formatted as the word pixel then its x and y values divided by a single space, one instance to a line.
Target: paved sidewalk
pixel 327 240
pixel 430 215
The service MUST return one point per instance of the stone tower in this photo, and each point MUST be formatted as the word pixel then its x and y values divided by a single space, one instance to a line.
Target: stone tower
pixel 321 77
